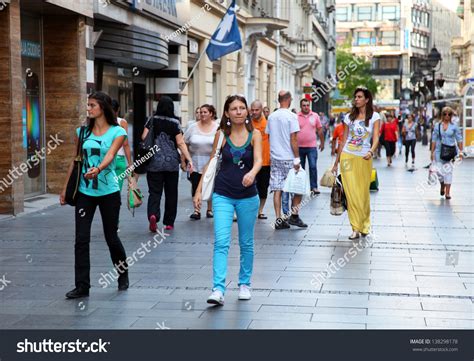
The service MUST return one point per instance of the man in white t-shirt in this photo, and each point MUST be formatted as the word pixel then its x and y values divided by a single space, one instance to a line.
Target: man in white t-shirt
pixel 282 127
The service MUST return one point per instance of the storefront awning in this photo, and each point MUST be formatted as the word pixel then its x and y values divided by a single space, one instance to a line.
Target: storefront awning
pixel 131 45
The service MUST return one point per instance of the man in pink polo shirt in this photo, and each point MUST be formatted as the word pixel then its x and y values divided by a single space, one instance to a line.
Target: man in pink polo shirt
pixel 310 124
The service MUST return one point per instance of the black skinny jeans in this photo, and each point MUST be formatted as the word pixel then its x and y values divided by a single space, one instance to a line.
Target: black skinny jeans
pixel 109 207
pixel 410 144
pixel 156 182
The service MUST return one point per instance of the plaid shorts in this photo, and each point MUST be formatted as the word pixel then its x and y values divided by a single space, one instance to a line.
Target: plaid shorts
pixel 278 172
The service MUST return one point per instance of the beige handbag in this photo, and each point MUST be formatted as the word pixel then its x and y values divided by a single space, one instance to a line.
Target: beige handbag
pixel 328 179
pixel 210 175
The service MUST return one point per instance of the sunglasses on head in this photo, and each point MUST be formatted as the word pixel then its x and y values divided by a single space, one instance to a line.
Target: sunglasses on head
pixel 235 95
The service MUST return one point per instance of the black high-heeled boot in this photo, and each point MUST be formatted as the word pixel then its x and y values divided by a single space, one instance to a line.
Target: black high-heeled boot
pixel 123 282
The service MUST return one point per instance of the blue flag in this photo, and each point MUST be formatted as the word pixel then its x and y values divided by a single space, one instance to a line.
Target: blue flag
pixel 226 38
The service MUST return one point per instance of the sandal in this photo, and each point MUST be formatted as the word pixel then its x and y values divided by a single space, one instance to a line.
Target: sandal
pixel 448 197
pixel 209 214
pixel 196 216
pixel 354 235
pixel 262 216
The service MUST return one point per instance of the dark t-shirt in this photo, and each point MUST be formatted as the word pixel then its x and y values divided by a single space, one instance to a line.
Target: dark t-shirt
pixel 170 126
pixel 165 131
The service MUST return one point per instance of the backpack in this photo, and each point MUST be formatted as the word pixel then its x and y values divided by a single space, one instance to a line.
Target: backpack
pixel 166 157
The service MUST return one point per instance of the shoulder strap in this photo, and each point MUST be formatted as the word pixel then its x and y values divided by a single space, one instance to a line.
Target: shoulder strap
pixel 80 142
pixel 219 143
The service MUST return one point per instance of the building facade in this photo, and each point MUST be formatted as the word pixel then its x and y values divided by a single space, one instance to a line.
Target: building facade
pixel 286 45
pixel 446 25
pixel 43 94
pixel 308 53
pixel 463 45
pixel 397 35
pixel 250 71
pixel 54 52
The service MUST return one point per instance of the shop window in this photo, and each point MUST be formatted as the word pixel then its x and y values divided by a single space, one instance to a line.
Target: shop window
pixel 32 111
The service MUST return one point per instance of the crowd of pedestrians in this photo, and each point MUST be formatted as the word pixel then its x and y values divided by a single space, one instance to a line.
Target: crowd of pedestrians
pixel 256 149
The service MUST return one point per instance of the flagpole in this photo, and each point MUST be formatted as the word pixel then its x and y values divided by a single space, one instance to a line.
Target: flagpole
pixel 192 71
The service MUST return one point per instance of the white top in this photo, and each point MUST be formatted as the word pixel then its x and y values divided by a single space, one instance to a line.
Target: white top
pixel 358 140
pixel 121 151
pixel 280 125
pixel 199 144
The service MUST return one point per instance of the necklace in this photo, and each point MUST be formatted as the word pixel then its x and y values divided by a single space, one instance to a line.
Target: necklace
pixel 238 152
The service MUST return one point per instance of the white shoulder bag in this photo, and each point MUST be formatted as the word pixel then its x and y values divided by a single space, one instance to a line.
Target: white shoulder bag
pixel 210 176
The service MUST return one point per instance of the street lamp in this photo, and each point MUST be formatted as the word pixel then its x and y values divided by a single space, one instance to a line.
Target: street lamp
pixel 415 80
pixel 434 58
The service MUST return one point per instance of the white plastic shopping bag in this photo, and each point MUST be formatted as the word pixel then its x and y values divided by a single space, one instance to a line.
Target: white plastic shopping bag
pixel 433 174
pixel 297 182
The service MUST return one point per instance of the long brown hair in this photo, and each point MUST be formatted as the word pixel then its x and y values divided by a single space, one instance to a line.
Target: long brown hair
pixel 105 103
pixel 369 107
pixel 223 124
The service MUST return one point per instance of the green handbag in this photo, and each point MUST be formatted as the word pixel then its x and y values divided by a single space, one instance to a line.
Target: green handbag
pixel 135 196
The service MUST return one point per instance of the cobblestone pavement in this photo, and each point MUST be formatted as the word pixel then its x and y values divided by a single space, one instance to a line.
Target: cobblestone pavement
pixel 416 273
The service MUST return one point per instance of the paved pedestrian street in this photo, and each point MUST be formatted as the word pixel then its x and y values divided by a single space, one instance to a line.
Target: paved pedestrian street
pixel 416 272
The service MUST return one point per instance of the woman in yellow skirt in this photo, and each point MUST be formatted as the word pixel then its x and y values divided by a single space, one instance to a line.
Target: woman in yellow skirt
pixel 355 152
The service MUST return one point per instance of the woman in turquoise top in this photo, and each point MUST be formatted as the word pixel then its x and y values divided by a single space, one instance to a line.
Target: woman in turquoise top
pixel 98 187
pixel 448 133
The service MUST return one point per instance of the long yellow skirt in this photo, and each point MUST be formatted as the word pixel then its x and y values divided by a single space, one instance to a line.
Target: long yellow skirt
pixel 356 172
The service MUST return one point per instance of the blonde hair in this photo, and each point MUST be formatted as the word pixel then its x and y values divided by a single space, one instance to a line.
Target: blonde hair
pixel 449 110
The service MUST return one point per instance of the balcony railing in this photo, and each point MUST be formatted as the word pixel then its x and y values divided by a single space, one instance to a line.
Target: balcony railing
pixel 305 48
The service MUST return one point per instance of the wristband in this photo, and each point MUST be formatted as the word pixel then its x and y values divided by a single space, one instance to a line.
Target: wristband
pixel 100 170
pixel 296 161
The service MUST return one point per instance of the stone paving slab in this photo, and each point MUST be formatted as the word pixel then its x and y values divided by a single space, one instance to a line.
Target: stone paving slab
pixel 417 274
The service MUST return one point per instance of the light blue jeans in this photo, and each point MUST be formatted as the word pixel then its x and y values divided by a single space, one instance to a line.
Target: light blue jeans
pixel 246 209
pixel 286 203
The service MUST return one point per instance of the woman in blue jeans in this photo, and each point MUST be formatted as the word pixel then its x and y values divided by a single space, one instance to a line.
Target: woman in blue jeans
pixel 234 191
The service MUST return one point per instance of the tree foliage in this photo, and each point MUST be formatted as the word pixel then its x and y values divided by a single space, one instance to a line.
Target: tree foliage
pixel 353 71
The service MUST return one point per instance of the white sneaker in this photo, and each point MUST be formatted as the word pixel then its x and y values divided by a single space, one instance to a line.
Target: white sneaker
pixel 244 292
pixel 216 298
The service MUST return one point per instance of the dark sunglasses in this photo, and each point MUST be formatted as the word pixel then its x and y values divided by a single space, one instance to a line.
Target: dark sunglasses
pixel 450 114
